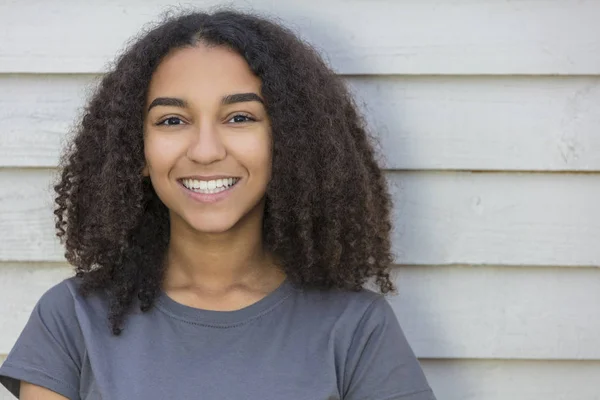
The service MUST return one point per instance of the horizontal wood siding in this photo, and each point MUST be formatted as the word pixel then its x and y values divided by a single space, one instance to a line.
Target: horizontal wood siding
pixel 512 380
pixel 487 115
pixel 431 37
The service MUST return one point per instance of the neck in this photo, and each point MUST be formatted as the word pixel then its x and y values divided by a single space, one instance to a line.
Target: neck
pixel 219 262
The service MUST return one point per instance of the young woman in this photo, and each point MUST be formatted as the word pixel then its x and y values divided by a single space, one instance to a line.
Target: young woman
pixel 223 207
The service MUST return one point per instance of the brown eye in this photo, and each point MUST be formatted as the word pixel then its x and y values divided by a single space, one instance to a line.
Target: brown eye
pixel 171 121
pixel 240 118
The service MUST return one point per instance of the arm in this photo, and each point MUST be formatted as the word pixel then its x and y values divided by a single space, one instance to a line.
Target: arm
pixel 49 350
pixel 29 391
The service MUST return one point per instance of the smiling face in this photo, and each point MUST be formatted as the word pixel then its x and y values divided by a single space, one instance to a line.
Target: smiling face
pixel 207 140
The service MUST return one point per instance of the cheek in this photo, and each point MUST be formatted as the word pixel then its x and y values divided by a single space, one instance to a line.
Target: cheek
pixel 161 151
pixel 255 153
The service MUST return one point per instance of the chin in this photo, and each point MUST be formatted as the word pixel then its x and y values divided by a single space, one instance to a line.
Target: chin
pixel 211 227
pixel 218 221
pixel 212 224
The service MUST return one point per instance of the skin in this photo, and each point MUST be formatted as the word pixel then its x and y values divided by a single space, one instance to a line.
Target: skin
pixel 216 258
pixel 30 391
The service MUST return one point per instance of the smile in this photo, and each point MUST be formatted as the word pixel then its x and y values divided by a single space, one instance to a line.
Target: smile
pixel 209 187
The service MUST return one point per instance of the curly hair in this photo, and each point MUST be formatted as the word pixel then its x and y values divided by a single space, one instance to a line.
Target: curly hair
pixel 327 206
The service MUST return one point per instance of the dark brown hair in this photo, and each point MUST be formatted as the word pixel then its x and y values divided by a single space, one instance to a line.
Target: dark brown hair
pixel 327 207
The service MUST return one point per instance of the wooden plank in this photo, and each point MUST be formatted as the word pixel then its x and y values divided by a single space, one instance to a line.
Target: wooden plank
pixel 446 312
pixel 497 218
pixel 439 218
pixel 485 123
pixel 509 379
pixel 500 312
pixel 359 37
pixel 39 112
pixel 26 219
pixel 457 123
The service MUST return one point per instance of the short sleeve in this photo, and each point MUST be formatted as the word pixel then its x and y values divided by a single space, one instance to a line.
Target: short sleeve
pixel 380 364
pixel 48 352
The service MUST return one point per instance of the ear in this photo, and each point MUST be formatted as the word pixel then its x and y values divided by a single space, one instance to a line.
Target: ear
pixel 145 171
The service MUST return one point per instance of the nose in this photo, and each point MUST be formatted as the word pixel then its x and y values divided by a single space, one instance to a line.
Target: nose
pixel 206 146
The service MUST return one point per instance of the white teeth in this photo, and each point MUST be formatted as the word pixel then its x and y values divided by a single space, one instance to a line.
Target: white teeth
pixel 214 186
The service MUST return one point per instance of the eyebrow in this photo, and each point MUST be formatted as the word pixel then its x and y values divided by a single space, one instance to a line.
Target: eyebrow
pixel 241 98
pixel 226 100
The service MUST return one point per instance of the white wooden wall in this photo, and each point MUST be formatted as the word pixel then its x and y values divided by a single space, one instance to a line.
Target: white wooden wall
pixel 489 116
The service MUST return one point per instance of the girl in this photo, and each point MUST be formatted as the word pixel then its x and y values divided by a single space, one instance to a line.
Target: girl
pixel 223 208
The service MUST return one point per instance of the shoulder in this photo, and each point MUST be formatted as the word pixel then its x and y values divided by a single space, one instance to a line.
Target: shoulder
pixel 63 302
pixel 58 302
pixel 60 295
pixel 50 350
pixel 64 290
pixel 352 307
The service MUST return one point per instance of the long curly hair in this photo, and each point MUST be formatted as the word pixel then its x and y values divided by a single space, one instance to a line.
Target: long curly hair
pixel 327 208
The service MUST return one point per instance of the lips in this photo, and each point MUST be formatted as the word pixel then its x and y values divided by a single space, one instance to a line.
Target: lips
pixel 209 186
pixel 208 195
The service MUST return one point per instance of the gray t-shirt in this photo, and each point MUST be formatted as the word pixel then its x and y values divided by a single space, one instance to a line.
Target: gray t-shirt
pixel 293 344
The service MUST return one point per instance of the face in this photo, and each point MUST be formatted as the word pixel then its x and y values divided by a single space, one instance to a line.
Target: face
pixel 207 140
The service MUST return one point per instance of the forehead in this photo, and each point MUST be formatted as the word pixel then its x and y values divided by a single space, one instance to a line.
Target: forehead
pixel 203 70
